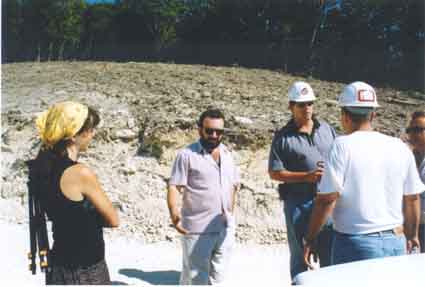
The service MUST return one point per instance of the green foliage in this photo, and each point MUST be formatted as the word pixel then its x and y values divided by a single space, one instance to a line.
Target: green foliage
pixel 252 21
pixel 159 17
pixel 154 146
pixel 11 26
pixel 392 30
pixel 12 13
pixel 48 23
pixel 65 20
pixel 98 23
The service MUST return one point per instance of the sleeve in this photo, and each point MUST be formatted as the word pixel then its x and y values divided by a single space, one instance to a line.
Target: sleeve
pixel 333 176
pixel 276 162
pixel 422 172
pixel 412 183
pixel 333 132
pixel 422 176
pixel 180 170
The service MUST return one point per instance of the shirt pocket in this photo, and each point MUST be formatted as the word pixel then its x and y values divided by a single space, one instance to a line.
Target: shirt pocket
pixel 198 177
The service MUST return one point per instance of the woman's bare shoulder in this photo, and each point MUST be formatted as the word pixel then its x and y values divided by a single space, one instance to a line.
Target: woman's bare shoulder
pixel 79 174
pixel 82 171
pixel 76 180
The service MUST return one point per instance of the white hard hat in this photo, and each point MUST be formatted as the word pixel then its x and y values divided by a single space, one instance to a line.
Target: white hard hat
pixel 301 92
pixel 358 95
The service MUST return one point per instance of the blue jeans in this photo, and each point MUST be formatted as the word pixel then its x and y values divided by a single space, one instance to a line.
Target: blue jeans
pixel 349 247
pixel 297 210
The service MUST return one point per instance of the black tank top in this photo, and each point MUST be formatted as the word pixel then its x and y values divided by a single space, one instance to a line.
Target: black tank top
pixel 76 225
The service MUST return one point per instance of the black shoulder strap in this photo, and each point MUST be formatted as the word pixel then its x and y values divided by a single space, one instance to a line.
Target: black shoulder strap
pixel 37 220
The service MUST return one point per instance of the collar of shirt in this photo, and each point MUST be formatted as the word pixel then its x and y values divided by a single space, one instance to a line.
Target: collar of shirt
pixel 292 127
pixel 203 151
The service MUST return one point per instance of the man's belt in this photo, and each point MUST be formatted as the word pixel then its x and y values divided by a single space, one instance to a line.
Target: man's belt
pixel 396 231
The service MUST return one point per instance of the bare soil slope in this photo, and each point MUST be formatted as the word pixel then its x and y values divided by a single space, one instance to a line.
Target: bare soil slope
pixel 149 111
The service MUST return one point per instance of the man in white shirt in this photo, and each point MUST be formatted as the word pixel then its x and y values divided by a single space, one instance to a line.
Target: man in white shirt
pixel 370 186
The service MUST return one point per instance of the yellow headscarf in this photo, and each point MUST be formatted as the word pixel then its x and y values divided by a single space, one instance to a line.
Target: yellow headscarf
pixel 61 121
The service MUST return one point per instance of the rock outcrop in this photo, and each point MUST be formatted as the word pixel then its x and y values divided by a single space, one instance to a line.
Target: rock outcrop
pixel 149 112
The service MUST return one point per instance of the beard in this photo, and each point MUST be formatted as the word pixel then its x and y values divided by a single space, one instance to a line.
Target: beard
pixel 210 144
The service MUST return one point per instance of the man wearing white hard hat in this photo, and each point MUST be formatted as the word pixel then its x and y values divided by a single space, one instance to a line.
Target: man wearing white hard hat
pixel 296 161
pixel 370 186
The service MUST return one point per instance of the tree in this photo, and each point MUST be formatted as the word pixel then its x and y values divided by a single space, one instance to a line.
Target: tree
pixel 65 24
pixel 159 17
pixel 11 26
pixel 34 27
pixel 98 23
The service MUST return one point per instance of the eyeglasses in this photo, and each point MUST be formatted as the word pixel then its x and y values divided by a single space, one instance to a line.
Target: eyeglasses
pixel 304 104
pixel 211 131
pixel 415 130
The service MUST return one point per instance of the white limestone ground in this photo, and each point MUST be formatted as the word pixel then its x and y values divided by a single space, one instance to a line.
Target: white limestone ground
pixel 133 263
pixel 149 112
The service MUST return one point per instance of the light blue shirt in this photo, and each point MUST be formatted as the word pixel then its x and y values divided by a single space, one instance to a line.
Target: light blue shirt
pixel 208 187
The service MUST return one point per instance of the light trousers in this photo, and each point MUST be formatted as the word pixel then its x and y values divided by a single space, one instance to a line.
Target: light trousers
pixel 206 257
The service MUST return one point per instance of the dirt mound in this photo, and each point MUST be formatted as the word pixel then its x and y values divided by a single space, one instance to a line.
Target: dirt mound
pixel 149 111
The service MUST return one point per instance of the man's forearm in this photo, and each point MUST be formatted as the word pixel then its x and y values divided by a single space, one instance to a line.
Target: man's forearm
pixel 172 196
pixel 289 176
pixel 411 212
pixel 323 206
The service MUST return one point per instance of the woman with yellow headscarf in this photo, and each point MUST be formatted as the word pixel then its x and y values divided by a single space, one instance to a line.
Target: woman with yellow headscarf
pixel 71 195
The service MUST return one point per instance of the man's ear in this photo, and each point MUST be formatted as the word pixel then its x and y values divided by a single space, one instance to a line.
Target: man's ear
pixel 290 106
pixel 344 118
pixel 372 116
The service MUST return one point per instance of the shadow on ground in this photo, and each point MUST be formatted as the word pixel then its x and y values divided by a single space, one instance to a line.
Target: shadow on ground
pixel 169 277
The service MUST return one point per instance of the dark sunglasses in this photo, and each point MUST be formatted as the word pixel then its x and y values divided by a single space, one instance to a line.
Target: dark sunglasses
pixel 304 104
pixel 210 131
pixel 415 130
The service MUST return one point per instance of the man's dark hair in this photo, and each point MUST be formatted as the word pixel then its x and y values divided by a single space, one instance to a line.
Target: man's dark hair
pixel 210 113
pixel 359 118
pixel 417 114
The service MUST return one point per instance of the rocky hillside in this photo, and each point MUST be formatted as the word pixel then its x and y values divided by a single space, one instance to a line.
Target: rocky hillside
pixel 149 112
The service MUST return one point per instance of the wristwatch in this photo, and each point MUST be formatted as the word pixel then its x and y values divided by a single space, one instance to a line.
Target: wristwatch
pixel 308 242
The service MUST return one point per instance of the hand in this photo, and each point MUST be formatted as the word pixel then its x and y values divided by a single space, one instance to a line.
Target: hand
pixel 412 243
pixel 308 253
pixel 175 218
pixel 315 175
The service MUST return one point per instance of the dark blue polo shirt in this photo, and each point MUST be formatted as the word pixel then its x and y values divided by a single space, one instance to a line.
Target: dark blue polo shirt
pixel 292 150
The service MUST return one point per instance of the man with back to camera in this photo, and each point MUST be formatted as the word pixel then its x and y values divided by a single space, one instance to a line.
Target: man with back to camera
pixel 296 158
pixel 370 185
pixel 208 178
